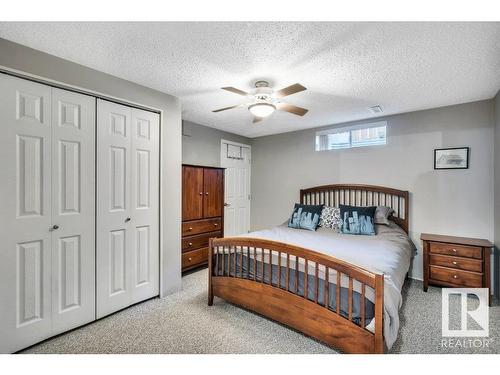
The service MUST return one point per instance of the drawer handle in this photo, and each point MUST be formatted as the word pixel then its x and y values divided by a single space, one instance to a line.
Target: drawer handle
pixel 216 225
pixel 454 250
pixel 189 259
pixel 455 276
pixel 190 244
pixel 189 229
pixel 454 263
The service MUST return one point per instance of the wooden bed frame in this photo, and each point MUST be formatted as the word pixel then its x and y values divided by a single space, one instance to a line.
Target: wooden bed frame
pixel 283 304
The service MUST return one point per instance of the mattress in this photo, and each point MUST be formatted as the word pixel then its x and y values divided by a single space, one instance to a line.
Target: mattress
pixel 389 252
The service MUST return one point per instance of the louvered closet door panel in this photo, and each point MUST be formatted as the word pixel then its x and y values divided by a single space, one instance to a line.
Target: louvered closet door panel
pixel 114 230
pixel 73 209
pixel 145 204
pixel 25 213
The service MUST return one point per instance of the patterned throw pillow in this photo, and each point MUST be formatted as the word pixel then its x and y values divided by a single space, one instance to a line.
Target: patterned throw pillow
pixel 305 216
pixel 358 220
pixel 330 218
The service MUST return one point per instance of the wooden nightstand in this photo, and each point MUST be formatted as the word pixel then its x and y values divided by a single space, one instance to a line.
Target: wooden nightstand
pixel 456 261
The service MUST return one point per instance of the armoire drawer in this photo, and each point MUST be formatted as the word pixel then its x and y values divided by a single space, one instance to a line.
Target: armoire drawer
pixel 467 264
pixel 194 258
pixel 190 228
pixel 456 250
pixel 198 241
pixel 456 277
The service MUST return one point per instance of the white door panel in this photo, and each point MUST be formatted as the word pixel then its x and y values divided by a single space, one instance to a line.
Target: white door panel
pixel 236 158
pixel 73 209
pixel 113 204
pixel 25 162
pixel 128 206
pixel 145 204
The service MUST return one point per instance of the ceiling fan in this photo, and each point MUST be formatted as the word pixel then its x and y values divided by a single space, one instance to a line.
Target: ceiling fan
pixel 264 100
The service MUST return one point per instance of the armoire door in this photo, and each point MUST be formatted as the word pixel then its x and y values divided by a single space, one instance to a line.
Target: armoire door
pixel 46 214
pixel 192 193
pixel 127 206
pixel 213 183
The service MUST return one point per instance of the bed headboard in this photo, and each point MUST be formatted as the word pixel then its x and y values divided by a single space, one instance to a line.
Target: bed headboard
pixel 361 195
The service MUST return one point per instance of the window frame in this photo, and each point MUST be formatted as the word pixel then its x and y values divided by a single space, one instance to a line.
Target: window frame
pixel 350 129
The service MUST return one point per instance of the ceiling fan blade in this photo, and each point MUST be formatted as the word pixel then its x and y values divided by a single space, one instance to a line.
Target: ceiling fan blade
pixel 235 90
pixel 292 109
pixel 289 90
pixel 226 108
pixel 257 119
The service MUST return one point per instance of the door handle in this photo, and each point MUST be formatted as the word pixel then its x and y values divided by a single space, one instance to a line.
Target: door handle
pixel 54 227
pixel 227 204
pixel 206 193
pixel 127 219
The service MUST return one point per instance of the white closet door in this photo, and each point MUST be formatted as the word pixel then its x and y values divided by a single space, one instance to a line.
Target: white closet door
pixel 145 204
pixel 127 206
pixel 25 212
pixel 73 209
pixel 114 227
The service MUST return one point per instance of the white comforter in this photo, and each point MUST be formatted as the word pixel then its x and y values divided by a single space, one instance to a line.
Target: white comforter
pixel 389 252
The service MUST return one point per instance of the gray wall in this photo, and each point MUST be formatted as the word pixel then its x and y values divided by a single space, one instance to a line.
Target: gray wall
pixel 454 202
pixel 201 144
pixel 24 59
pixel 497 193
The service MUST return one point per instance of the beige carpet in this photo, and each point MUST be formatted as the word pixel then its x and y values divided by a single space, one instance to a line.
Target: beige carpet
pixel 183 323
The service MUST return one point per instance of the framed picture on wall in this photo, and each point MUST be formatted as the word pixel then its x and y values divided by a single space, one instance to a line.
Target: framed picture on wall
pixel 451 158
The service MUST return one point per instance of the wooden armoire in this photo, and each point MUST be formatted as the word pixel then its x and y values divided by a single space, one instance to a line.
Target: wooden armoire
pixel 202 212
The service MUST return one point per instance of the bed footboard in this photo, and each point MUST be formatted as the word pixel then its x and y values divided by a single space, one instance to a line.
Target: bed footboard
pixel 296 287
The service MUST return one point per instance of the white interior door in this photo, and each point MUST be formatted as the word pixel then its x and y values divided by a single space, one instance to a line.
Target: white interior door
pixel 73 209
pixel 145 205
pixel 127 206
pixel 236 158
pixel 113 207
pixel 47 212
pixel 25 251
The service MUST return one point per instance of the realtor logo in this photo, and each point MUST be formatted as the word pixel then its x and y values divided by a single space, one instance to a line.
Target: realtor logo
pixel 479 314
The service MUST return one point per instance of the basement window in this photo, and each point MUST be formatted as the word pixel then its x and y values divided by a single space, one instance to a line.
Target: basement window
pixel 370 134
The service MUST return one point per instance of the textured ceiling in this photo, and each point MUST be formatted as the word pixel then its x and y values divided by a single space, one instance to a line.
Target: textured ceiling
pixel 347 67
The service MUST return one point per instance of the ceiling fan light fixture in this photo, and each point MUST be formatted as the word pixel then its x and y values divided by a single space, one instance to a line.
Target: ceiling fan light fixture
pixel 261 109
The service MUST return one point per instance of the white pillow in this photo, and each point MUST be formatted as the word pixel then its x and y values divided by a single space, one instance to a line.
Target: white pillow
pixel 382 214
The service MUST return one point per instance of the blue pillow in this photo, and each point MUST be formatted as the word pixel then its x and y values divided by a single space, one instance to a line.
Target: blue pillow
pixel 358 220
pixel 305 216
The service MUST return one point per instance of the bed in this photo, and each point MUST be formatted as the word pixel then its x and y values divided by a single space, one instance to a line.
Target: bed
pixel 343 290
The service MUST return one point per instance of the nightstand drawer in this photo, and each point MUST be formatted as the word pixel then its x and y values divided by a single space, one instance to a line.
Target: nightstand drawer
pixel 456 262
pixel 456 277
pixel 456 250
